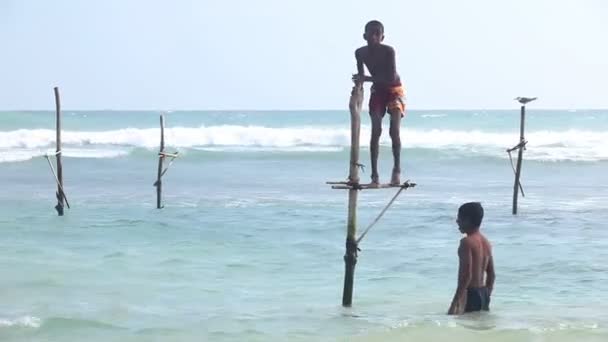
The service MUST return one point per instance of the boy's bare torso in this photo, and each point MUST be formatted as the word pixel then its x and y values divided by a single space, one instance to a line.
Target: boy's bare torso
pixel 380 62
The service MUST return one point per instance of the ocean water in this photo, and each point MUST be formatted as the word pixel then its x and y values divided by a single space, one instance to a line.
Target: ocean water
pixel 249 245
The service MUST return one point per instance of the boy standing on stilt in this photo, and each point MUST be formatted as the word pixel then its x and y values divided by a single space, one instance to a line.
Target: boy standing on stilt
pixel 387 94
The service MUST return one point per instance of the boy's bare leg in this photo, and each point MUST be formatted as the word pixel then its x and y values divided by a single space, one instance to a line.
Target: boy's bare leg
pixel 395 133
pixel 374 145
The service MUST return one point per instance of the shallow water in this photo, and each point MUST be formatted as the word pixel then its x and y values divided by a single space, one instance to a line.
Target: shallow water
pixel 249 245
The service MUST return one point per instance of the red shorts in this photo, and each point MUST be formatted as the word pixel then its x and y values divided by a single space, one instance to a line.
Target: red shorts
pixel 391 99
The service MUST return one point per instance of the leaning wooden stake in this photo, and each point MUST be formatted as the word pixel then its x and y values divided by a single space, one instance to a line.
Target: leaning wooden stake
pixel 161 158
pixel 521 146
pixel 60 194
pixel 350 257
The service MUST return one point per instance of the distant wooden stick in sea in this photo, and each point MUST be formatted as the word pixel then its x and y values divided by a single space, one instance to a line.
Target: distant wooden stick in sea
pixel 161 158
pixel 517 187
pixel 59 177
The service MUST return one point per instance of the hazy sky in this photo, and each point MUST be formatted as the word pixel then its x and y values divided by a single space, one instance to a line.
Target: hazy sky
pixel 289 54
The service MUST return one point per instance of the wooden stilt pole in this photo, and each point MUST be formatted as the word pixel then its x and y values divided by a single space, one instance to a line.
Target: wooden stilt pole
pixel 520 155
pixel 353 186
pixel 161 158
pixel 59 193
pixel 350 257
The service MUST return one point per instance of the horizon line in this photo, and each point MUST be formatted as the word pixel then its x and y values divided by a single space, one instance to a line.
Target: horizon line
pixel 281 110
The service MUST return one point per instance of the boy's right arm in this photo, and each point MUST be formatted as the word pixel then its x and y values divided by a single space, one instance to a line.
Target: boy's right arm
pixel 359 57
pixel 464 278
pixel 360 77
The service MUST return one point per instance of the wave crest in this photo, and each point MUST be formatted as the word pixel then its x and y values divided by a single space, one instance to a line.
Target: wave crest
pixel 577 145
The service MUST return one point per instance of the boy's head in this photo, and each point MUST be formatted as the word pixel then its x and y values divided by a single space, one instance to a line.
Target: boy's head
pixel 470 216
pixel 374 32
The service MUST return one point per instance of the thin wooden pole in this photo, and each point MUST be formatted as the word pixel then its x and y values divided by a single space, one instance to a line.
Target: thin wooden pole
pixel 57 181
pixel 520 155
pixel 59 193
pixel 350 257
pixel 161 158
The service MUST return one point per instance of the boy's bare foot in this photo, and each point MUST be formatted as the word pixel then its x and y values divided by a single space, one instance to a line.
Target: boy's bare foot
pixel 396 177
pixel 375 182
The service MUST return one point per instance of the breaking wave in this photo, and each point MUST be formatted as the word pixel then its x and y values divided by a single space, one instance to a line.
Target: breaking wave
pixel 24 144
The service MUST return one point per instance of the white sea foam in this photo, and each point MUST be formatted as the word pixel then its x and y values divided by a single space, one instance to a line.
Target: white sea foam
pixel 575 145
pixel 434 115
pixel 25 321
pixel 23 154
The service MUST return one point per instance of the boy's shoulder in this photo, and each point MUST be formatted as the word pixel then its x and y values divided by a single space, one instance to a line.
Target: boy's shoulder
pixel 471 239
pixel 465 241
pixel 364 49
pixel 388 47
pixel 361 50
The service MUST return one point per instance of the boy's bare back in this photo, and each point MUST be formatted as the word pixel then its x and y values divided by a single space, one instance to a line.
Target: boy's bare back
pixel 478 249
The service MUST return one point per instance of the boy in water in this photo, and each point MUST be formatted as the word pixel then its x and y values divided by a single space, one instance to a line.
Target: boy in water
pixel 475 254
pixel 386 94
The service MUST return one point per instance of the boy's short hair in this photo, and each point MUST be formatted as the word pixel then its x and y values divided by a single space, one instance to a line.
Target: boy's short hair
pixel 473 211
pixel 374 24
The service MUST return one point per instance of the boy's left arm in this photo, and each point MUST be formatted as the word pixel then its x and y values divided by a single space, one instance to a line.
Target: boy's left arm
pixel 392 66
pixel 464 278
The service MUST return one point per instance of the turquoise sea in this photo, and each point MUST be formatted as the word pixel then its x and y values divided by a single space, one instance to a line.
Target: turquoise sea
pixel 250 243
